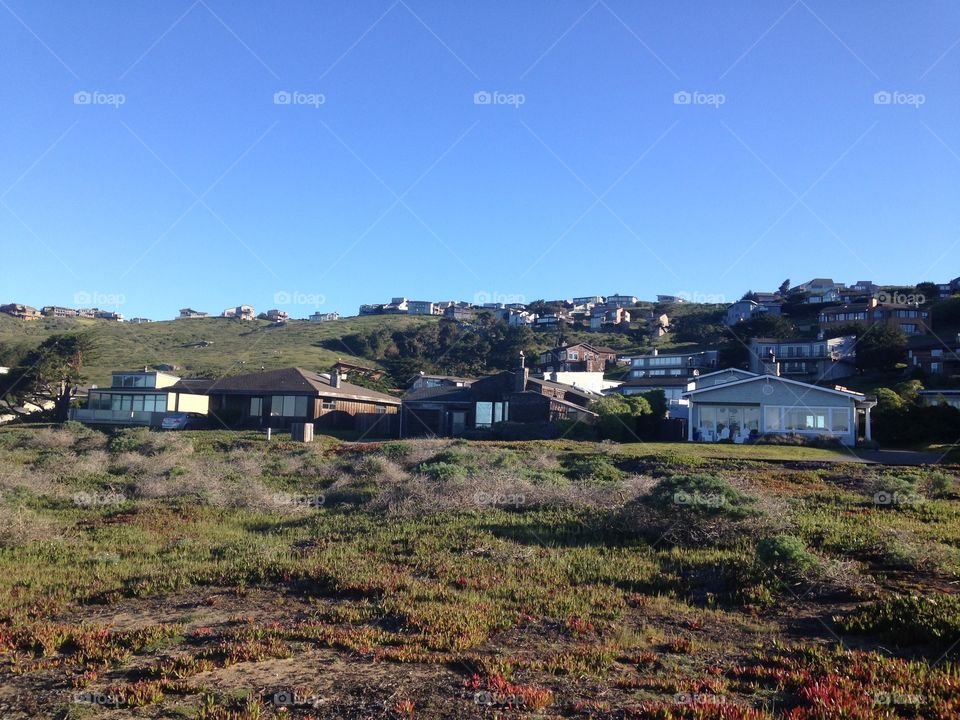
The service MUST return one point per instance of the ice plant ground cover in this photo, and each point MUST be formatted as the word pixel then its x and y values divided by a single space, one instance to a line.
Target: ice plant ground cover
pixel 216 575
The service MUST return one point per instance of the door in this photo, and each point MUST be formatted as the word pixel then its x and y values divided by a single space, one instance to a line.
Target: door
pixel 458 422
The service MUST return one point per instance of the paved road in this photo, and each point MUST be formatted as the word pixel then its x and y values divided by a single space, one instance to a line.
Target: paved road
pixel 899 457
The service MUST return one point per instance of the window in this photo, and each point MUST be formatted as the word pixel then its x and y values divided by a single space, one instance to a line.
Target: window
pixel 734 418
pixel 573 355
pixel 488 413
pixel 809 420
pixel 256 407
pixel 380 409
pixel 288 406
pixel 329 404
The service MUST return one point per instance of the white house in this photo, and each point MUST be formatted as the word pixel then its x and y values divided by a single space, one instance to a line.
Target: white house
pixel 768 404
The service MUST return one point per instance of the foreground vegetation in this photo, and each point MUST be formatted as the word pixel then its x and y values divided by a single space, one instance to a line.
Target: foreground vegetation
pixel 215 575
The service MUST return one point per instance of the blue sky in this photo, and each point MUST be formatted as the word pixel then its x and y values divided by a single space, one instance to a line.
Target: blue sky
pixel 177 176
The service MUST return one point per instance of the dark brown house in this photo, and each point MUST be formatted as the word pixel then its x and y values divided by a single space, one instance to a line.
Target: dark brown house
pixel 507 397
pixel 582 357
pixel 277 398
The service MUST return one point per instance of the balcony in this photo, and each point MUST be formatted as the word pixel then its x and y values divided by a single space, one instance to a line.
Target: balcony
pixel 116 417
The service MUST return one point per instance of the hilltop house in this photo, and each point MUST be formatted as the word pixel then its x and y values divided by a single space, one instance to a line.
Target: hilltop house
pixel 745 409
pixel 746 309
pixel 810 360
pixel 274 315
pixel 667 372
pixel 324 317
pixel 819 290
pixel 23 312
pixel 57 311
pixel 935 356
pixel 191 313
pixel 240 312
pixel 910 319
pixel 581 357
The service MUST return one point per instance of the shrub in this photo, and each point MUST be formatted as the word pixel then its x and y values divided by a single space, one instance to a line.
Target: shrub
pixel 444 471
pixel 908 619
pixel 596 468
pixel 702 493
pixel 396 449
pixel 786 554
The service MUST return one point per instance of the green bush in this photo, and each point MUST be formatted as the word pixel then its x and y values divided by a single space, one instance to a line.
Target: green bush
pixel 444 471
pixel 908 619
pixel 396 450
pixel 701 493
pixel 596 468
pixel 787 555
pixel 128 440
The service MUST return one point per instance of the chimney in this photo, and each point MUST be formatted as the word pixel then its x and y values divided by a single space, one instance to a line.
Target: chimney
pixel 335 378
pixel 521 375
pixel 770 366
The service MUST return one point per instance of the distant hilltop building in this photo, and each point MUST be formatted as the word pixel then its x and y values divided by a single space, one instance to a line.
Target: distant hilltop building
pixel 23 312
pixel 274 315
pixel 240 312
pixel 191 313
pixel 324 316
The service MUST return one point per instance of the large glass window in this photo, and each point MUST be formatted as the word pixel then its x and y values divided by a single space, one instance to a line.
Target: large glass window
pixel 488 413
pixel 256 407
pixel 288 406
pixel 735 419
pixel 811 420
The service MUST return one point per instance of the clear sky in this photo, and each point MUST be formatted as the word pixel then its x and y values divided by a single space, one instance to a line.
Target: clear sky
pixel 440 149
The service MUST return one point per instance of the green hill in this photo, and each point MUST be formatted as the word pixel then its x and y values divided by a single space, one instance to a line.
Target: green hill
pixel 235 346
pixel 226 346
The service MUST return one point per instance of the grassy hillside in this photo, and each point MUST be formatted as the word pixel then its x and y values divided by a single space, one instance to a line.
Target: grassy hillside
pixel 220 576
pixel 236 346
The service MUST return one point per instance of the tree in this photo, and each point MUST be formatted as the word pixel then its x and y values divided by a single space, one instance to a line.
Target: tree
pixel 49 375
pixel 618 415
pixel 784 288
pixel 881 347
